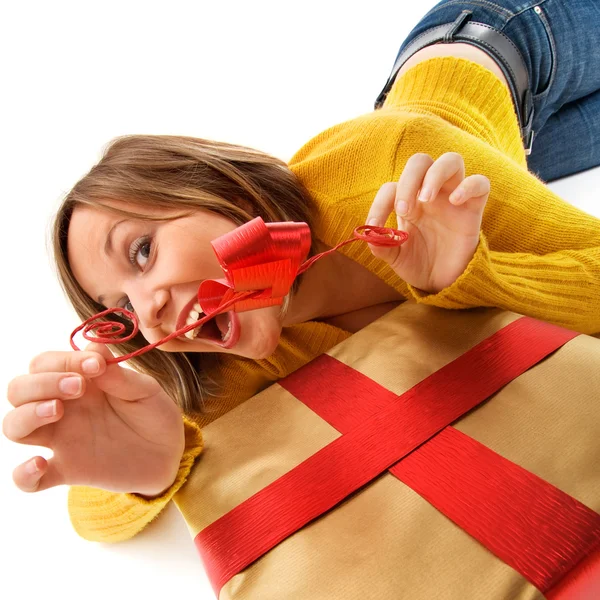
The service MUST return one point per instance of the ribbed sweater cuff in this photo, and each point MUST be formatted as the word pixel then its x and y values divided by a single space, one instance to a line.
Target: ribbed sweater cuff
pixel 466 291
pixel 101 516
pixel 548 288
pixel 463 93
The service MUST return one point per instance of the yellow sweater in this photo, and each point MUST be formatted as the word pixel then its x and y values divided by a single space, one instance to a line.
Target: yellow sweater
pixel 537 255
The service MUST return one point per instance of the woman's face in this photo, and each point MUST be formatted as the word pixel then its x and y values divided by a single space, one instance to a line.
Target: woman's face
pixel 154 268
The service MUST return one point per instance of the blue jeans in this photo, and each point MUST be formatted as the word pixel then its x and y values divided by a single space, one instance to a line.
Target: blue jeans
pixel 559 41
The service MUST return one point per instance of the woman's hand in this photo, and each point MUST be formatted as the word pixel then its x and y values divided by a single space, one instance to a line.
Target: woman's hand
pixel 441 210
pixel 109 427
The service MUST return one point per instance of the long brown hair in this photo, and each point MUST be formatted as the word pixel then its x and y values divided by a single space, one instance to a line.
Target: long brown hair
pixel 182 174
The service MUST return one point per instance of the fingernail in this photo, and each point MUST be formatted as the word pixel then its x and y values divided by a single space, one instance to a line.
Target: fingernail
pixel 90 366
pixel 401 208
pixel 46 409
pixel 424 194
pixel 31 467
pixel 456 196
pixel 70 385
pixel 372 221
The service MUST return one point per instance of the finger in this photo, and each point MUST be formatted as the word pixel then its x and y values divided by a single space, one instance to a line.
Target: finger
pixel 125 384
pixel 27 475
pixel 473 187
pixel 85 362
pixel 448 169
pixel 37 474
pixel 44 386
pixel 23 421
pixel 383 205
pixel 410 183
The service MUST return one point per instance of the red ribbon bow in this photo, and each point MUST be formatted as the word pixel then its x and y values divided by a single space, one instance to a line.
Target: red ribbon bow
pixel 256 256
pixel 260 261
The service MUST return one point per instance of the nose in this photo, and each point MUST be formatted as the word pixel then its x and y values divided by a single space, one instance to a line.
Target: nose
pixel 149 306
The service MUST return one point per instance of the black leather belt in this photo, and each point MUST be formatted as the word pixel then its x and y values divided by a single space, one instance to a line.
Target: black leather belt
pixel 492 42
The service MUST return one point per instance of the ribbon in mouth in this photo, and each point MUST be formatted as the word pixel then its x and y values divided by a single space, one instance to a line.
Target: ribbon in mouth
pixel 260 262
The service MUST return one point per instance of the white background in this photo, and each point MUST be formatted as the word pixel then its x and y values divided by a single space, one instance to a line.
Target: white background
pixel 76 74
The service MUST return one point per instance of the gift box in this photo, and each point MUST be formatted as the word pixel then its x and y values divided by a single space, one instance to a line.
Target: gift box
pixel 432 455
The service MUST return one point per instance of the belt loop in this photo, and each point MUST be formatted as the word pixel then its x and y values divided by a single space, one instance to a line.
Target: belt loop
pixel 464 16
pixel 527 128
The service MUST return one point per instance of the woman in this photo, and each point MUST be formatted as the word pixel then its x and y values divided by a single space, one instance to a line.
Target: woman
pixel 135 232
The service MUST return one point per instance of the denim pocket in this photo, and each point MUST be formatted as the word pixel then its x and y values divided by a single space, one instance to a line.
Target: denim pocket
pixel 473 5
pixel 530 31
pixel 545 82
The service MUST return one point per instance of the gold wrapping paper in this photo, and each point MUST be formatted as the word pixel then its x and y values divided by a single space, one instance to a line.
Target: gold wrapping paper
pixel 385 541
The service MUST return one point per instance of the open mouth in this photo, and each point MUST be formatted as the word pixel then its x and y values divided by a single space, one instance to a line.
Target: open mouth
pixel 222 330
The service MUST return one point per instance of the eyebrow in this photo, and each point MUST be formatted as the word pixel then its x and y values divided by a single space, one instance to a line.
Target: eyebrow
pixel 108 249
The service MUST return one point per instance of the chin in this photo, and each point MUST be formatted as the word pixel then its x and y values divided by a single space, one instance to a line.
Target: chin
pixel 265 353
pixel 262 342
pixel 266 346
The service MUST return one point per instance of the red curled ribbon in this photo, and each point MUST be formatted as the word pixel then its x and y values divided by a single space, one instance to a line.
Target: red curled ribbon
pixel 256 256
pixel 260 262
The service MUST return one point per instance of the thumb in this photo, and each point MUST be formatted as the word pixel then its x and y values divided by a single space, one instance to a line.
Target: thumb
pixel 47 474
pixel 121 382
pixel 101 349
pixel 390 254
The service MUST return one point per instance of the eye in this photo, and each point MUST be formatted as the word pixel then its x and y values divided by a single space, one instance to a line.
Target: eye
pixel 139 253
pixel 126 304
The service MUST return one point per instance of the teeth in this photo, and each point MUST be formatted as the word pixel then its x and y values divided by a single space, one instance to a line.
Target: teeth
pixel 193 316
pixel 227 333
pixel 192 334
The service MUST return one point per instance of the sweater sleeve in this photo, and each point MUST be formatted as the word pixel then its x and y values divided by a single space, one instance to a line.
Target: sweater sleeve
pixel 560 287
pixel 463 94
pixel 537 255
pixel 101 516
